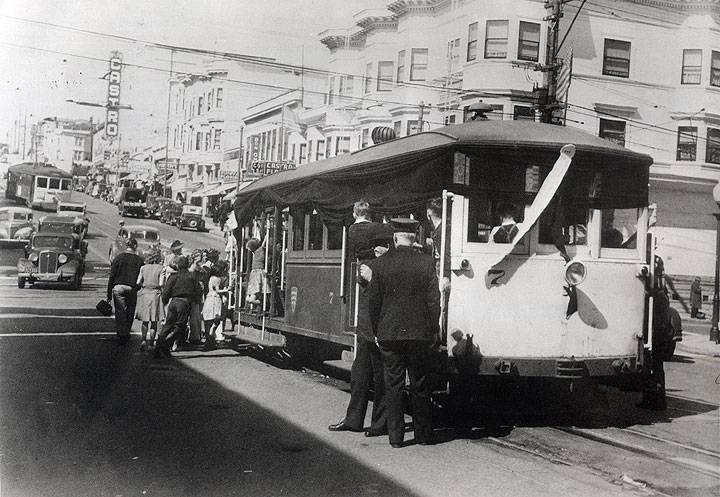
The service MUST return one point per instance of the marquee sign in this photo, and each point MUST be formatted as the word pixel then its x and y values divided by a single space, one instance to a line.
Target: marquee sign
pixel 112 116
pixel 260 168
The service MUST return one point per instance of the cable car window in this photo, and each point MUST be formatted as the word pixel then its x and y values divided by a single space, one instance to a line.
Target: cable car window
pixel 619 228
pixel 42 182
pixel 334 236
pixel 573 222
pixel 298 229
pixel 315 232
pixel 54 183
pixel 65 184
pixel 484 214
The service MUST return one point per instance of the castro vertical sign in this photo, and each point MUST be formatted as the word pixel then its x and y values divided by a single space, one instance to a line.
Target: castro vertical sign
pixel 112 117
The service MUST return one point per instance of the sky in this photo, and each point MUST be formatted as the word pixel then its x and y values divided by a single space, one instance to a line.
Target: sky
pixel 43 64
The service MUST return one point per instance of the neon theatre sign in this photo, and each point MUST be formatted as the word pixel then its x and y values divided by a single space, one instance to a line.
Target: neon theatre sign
pixel 112 117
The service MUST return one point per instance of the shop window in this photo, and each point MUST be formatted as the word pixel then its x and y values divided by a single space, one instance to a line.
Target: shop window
pixel 385 75
pixel 687 143
pixel 691 67
pixel 472 42
pixel 496 39
pixel 298 229
pixel 401 66
pixel 613 131
pixel 619 228
pixel 315 232
pixel 418 64
pixel 715 69
pixel 529 41
pixel 616 58
pixel 712 155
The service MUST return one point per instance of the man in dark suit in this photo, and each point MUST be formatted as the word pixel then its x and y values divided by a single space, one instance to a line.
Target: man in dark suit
pixel 361 232
pixel 367 369
pixel 404 309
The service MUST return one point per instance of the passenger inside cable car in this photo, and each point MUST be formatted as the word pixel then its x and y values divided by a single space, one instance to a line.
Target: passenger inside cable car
pixel 508 228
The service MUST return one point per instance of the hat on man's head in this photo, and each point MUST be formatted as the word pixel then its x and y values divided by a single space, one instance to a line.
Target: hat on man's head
pixel 176 245
pixel 403 225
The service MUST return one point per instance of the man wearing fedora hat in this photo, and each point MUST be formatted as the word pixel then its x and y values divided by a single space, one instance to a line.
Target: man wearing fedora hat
pixel 404 310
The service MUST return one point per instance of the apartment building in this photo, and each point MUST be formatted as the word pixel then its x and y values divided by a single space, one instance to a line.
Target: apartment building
pixel 64 143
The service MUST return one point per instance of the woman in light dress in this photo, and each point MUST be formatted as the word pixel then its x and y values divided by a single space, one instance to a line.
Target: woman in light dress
pixel 213 308
pixel 150 308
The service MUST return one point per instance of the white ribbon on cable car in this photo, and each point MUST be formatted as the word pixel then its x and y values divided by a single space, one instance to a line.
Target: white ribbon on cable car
pixel 542 200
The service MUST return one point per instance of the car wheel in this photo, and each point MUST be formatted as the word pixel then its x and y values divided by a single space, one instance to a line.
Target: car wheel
pixel 21 282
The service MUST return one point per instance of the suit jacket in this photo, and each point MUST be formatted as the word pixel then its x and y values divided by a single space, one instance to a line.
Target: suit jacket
pixel 403 296
pixel 360 237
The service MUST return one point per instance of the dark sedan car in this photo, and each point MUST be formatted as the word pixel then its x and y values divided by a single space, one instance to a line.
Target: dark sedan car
pixel 53 258
pixel 191 218
pixel 170 212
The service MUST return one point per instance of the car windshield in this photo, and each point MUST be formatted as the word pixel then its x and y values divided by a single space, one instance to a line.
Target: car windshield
pixel 145 235
pixel 192 210
pixel 71 208
pixel 52 242
pixel 57 227
pixel 20 216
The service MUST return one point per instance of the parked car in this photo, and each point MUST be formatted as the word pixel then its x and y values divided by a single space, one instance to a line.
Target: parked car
pixel 53 257
pixel 191 218
pixel 170 212
pixel 147 238
pixel 76 210
pixel 16 225
pixel 62 224
pixel 156 207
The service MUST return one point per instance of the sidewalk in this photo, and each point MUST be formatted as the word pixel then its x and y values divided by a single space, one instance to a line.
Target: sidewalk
pixel 696 337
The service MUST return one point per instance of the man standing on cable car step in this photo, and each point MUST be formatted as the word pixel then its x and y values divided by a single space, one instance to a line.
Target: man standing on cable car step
pixel 404 308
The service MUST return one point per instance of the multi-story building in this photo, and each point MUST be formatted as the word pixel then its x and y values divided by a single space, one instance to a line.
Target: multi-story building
pixel 64 143
pixel 644 73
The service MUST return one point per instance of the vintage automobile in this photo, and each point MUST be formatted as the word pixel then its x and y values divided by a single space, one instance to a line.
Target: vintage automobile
pixel 170 212
pixel 53 258
pixel 191 218
pixel 62 224
pixel 16 225
pixel 76 210
pixel 147 238
pixel 156 207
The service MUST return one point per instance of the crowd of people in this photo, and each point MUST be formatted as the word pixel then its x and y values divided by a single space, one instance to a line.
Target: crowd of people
pixel 179 299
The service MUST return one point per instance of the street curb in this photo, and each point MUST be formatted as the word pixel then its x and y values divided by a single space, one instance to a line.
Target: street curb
pixel 35 323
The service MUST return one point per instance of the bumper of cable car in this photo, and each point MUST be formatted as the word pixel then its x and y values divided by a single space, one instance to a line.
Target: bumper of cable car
pixel 560 368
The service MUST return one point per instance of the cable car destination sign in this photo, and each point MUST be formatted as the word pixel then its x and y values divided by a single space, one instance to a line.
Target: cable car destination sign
pixel 112 116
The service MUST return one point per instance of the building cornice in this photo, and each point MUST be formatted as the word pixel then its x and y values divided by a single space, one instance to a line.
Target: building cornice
pixel 402 7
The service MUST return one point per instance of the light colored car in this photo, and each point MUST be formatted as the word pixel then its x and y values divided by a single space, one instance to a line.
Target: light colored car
pixel 147 237
pixel 53 258
pixel 16 225
pixel 77 210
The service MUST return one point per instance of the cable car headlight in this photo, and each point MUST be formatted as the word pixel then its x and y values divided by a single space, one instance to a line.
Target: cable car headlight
pixel 62 258
pixel 575 272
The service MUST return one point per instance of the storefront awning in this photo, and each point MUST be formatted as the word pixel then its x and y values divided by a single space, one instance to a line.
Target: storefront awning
pixel 233 193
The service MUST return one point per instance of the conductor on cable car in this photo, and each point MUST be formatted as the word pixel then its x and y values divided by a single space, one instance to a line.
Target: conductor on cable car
pixel 404 308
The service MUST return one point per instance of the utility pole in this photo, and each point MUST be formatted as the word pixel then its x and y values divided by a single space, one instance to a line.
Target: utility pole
pixel 241 159
pixel 167 125
pixel 421 115
pixel 548 102
pixel 24 127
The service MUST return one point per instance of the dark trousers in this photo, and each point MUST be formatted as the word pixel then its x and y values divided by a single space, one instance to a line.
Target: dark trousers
pixel 125 300
pixel 413 357
pixel 176 319
pixel 367 371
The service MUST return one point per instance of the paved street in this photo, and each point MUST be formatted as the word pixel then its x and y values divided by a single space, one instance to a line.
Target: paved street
pixel 84 416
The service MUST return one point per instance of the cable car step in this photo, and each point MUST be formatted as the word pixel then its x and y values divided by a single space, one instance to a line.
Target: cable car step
pixel 339 367
pixel 248 334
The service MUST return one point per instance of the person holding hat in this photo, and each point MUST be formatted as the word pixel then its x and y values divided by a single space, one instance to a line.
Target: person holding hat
pixel 367 370
pixel 404 311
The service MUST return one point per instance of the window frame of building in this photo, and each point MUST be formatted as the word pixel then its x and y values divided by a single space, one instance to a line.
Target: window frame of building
pixel 397 128
pixel 409 125
pixel 211 98
pixel 400 73
pixel 198 140
pixel 347 84
pixel 417 66
pixel 217 139
pixel 206 144
pixel 218 98
pixel 490 25
pixel 201 105
pixel 368 77
pixel 527 43
pixel 609 129
pixel 328 146
pixel 712 150
pixel 473 30
pixel 687 138
pixel 453 50
pixel 331 90
pixel 518 113
pixel 364 138
pixel 620 45
pixel 320 150
pixel 385 81
pixel 715 68
pixel 342 145
pixel 691 74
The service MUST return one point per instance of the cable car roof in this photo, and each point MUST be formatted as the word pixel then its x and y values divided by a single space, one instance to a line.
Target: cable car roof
pixel 514 141
pixel 39 170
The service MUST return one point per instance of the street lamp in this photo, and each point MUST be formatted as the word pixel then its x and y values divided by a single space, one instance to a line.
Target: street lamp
pixel 714 334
